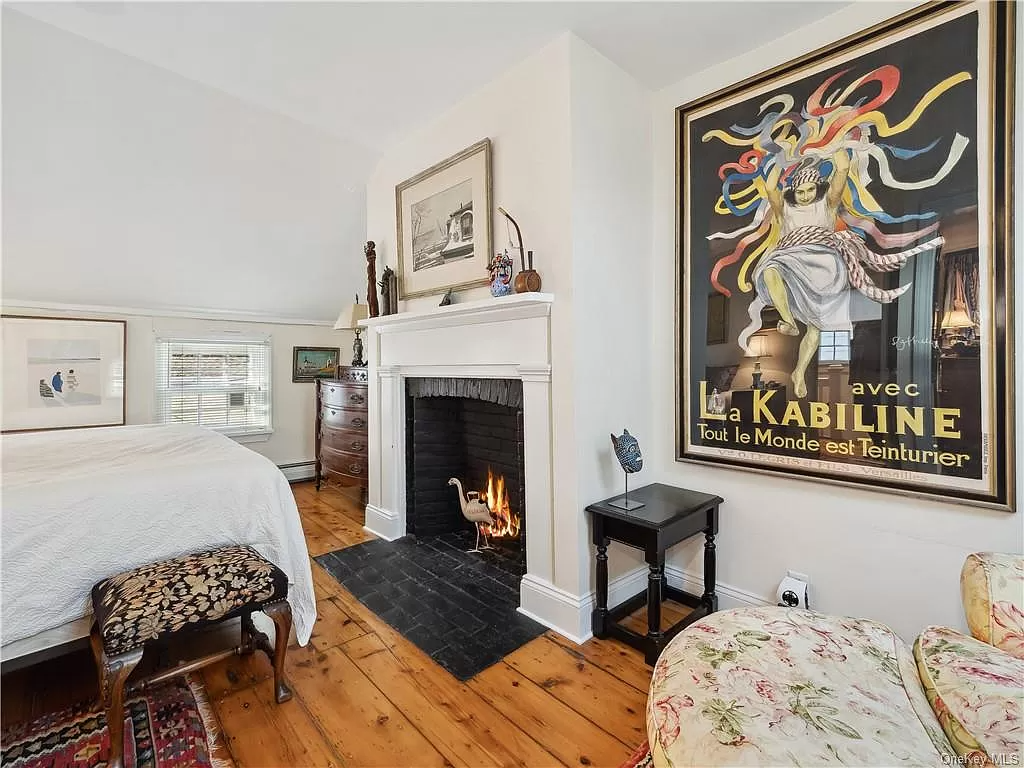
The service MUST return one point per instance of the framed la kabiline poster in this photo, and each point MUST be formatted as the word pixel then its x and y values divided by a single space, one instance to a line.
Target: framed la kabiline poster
pixel 855 206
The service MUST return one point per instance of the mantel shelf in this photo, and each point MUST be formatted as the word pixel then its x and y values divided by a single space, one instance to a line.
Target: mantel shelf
pixel 480 311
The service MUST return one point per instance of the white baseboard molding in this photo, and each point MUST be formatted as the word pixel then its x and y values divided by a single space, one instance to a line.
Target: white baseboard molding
pixel 382 523
pixel 555 608
pixel 728 595
pixel 569 615
pixel 302 470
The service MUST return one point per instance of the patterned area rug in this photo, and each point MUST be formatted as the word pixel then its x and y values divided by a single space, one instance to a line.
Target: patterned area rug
pixel 170 725
pixel 641 758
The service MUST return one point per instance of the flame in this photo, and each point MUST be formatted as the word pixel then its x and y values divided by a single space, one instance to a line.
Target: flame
pixel 505 522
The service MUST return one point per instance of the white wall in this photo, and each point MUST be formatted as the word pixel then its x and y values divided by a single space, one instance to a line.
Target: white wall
pixel 127 185
pixel 571 139
pixel 888 557
pixel 525 113
pixel 294 404
pixel 611 267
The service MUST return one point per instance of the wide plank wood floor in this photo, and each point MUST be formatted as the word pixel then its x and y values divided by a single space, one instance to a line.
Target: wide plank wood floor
pixel 365 696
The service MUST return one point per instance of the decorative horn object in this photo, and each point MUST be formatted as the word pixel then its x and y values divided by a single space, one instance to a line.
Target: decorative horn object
pixel 519 236
pixel 527 280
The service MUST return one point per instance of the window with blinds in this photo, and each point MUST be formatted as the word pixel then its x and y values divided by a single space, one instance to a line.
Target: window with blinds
pixel 223 385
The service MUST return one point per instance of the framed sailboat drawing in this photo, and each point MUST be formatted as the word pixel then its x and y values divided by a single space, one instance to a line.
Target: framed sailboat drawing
pixel 444 224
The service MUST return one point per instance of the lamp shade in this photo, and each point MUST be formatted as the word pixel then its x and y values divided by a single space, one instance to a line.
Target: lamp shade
pixel 956 318
pixel 350 317
pixel 758 346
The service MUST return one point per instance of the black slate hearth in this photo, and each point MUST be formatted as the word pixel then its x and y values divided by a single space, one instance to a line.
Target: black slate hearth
pixel 457 607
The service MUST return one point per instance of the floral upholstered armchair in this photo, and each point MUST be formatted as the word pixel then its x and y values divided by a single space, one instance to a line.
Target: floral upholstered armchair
pixel 780 686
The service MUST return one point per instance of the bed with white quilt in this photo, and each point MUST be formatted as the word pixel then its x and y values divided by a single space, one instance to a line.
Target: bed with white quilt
pixel 81 505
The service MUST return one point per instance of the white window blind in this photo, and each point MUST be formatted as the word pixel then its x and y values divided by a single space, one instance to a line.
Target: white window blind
pixel 223 385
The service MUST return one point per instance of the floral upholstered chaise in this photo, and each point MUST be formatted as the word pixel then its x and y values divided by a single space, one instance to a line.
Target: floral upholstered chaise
pixel 789 687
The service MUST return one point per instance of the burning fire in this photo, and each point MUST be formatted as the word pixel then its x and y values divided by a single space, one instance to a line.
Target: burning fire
pixel 505 523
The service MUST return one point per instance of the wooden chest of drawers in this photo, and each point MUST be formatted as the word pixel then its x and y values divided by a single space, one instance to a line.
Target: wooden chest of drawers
pixel 341 452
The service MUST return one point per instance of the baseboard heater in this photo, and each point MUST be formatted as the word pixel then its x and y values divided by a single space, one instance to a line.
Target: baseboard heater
pixel 299 471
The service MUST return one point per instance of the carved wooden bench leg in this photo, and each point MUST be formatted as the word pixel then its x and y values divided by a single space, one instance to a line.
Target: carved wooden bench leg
pixel 281 613
pixel 113 672
pixel 248 635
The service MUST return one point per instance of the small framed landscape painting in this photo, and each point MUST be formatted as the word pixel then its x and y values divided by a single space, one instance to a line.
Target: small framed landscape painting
pixel 845 249
pixel 62 373
pixel 311 363
pixel 444 224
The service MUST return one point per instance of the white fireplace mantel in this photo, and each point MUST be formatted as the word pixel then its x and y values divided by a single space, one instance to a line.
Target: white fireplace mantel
pixel 506 338
pixel 490 310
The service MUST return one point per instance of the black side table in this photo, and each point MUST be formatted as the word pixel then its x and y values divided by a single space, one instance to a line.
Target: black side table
pixel 669 516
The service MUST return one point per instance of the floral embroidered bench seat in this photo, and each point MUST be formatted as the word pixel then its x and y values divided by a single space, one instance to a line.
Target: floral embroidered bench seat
pixel 156 601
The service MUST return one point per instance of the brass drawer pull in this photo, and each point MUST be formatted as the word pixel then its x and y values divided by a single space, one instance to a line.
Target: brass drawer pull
pixel 356 398
pixel 357 446
pixel 357 422
pixel 355 469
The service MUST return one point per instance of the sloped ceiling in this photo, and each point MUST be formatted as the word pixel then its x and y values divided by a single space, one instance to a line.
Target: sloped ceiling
pixel 369 72
pixel 360 74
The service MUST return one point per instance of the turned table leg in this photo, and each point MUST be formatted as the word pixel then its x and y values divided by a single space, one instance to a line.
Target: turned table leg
pixel 655 583
pixel 709 598
pixel 599 616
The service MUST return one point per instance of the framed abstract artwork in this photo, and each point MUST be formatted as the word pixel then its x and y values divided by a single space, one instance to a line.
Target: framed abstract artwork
pixel 62 373
pixel 852 209
pixel 312 363
pixel 444 224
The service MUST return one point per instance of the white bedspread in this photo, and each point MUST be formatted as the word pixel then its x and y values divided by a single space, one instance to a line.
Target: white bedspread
pixel 80 505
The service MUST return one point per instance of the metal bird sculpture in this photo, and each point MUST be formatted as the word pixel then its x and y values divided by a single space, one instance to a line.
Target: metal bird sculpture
pixel 476 511
pixel 627 451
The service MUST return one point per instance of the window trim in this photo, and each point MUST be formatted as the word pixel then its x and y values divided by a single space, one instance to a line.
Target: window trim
pixel 239 434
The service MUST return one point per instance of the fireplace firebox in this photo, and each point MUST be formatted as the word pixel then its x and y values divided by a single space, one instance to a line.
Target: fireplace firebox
pixel 470 429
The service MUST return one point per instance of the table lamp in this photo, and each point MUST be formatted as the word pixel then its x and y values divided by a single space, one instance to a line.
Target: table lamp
pixel 758 346
pixel 348 320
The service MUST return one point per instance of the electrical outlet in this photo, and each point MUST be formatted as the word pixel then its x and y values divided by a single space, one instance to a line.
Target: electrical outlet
pixel 798 575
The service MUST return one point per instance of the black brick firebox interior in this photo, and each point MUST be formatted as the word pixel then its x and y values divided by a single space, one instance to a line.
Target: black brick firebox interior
pixel 476 428
pixel 459 607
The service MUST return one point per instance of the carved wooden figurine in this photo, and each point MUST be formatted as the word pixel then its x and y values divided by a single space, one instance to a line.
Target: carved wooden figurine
pixel 371 278
pixel 388 299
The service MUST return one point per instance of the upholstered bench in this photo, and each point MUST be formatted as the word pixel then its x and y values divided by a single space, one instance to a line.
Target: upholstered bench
pixel 154 602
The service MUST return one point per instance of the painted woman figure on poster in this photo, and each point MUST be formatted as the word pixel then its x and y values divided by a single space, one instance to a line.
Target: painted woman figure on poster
pixel 804 175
